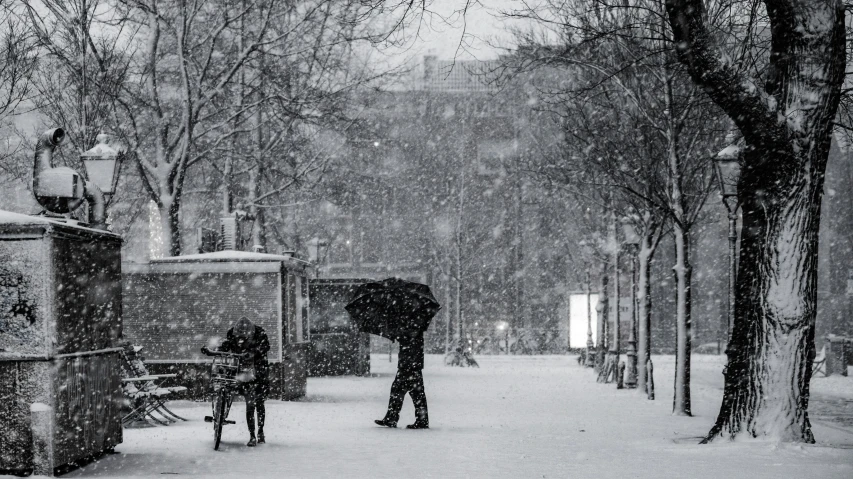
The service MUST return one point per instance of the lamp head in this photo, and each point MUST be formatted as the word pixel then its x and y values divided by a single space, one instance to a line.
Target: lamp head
pixel 630 232
pixel 102 164
pixel 727 169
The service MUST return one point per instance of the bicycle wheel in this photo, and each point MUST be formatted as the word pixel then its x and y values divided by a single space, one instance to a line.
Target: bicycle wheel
pixel 220 411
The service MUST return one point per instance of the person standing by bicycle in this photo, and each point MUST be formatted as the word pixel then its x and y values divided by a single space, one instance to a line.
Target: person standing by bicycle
pixel 251 341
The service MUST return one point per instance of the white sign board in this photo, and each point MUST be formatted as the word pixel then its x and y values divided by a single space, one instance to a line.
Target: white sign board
pixel 578 319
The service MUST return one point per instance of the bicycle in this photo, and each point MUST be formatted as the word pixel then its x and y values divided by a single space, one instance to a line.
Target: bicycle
pixel 226 375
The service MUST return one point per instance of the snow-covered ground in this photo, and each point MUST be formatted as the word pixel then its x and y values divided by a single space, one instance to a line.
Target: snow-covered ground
pixel 515 417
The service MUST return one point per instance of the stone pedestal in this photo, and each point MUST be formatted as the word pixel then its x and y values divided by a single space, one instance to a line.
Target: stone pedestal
pixel 838 350
pixel 60 321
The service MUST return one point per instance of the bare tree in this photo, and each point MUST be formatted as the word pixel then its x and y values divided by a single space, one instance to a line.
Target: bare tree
pixel 173 95
pixel 18 60
pixel 291 103
pixel 631 119
pixel 785 110
pixel 77 49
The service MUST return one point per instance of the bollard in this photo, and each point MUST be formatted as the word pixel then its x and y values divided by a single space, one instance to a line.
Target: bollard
pixel 836 355
pixel 650 380
pixel 620 375
pixel 41 426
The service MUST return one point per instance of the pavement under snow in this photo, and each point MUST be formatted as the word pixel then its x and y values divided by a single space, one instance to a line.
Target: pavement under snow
pixel 515 417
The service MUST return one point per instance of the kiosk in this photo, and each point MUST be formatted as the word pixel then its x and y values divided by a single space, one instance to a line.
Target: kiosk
pixel 337 347
pixel 174 306
pixel 60 323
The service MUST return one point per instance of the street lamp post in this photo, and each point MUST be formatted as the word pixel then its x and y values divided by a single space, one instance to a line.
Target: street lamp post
pixel 503 327
pixel 589 360
pixel 102 164
pixel 727 168
pixel 316 249
pixel 632 241
pixel 616 340
pixel 590 345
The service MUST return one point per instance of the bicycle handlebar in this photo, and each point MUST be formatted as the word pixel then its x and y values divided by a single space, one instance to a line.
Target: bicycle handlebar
pixel 208 352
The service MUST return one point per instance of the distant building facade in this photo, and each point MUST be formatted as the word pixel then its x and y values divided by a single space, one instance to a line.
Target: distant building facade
pixel 435 190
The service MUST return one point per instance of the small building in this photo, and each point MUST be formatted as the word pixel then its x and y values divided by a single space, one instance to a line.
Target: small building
pixel 174 306
pixel 337 347
pixel 60 326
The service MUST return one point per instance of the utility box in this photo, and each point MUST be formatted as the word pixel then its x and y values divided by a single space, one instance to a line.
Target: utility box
pixel 337 346
pixel 60 323
pixel 174 306
pixel 838 350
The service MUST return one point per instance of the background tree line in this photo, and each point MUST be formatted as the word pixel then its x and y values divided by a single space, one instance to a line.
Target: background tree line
pixel 649 90
pixel 234 100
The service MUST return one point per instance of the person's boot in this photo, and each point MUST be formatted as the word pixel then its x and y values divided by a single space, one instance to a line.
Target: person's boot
pixel 261 439
pixel 252 441
pixel 386 422
pixel 421 420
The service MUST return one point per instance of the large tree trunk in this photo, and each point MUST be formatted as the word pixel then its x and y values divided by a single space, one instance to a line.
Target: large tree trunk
pixel 772 341
pixel 170 228
pixel 787 125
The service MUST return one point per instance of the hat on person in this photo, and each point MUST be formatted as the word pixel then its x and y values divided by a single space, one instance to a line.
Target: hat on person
pixel 243 328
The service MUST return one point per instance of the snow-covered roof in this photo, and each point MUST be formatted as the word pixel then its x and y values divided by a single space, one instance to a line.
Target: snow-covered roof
pixel 8 218
pixel 227 255
pixel 228 261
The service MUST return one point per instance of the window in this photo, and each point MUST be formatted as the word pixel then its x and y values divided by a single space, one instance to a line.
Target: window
pixel 493 153
pixel 306 319
pixel 340 243
pixel 298 316
pixel 295 311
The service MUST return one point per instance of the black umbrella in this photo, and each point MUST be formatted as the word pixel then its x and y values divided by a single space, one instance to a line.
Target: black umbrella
pixel 392 307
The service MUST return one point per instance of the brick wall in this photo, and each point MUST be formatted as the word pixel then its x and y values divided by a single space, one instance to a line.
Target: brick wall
pixel 172 315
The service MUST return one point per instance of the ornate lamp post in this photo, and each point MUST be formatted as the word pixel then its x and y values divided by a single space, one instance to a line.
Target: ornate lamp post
pixel 632 242
pixel 589 359
pixel 102 164
pixel 727 168
pixel 503 327
pixel 616 338
pixel 61 190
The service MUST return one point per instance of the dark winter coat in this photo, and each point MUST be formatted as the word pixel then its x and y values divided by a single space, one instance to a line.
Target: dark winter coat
pixel 411 353
pixel 258 344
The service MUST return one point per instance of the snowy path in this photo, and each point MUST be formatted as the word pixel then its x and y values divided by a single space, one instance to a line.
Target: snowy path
pixel 515 417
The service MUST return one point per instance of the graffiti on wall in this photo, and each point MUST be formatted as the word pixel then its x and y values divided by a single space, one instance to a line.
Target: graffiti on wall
pixel 20 298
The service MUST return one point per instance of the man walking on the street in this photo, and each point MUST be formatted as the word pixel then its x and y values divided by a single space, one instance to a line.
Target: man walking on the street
pixel 409 379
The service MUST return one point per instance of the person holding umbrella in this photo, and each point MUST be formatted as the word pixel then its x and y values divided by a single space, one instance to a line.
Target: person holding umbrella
pixel 409 379
pixel 400 311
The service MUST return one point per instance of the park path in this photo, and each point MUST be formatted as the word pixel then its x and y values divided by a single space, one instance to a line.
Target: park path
pixel 830 400
pixel 514 417
pixel 833 411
